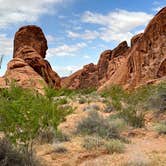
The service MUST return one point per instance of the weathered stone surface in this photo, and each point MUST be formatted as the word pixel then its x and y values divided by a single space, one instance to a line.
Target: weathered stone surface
pixel 146 59
pixel 103 63
pixel 84 78
pixel 135 39
pixel 21 73
pixel 41 66
pixel 28 68
pixel 120 49
pixel 30 36
pixel 143 62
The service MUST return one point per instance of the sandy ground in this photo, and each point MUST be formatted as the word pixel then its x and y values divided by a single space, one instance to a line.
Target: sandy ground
pixel 146 145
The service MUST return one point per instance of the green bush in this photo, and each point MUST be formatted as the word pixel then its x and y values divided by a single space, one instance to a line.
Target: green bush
pixel 93 142
pixel 61 137
pixel 114 146
pixel 161 127
pixel 96 124
pixel 23 114
pixel 9 156
pixel 82 100
pixel 157 101
pixel 116 93
pixel 133 117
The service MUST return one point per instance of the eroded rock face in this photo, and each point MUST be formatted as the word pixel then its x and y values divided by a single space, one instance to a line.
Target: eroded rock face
pixel 103 63
pixel 120 49
pixel 135 39
pixel 143 62
pixel 84 78
pixel 40 65
pixel 146 59
pixel 31 36
pixel 28 68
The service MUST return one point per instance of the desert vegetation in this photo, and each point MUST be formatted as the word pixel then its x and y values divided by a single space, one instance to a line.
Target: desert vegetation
pixel 29 119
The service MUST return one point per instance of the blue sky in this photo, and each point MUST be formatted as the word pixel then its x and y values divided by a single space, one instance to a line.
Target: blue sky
pixel 77 30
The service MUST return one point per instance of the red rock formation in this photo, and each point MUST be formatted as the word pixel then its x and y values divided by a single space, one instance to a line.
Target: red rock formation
pixel 146 59
pixel 130 67
pixel 84 78
pixel 103 63
pixel 28 67
pixel 30 36
pixel 120 49
pixel 135 38
pixel 95 75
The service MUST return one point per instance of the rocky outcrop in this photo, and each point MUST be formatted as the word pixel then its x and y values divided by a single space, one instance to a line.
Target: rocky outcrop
pixel 28 68
pixel 95 75
pixel 146 59
pixel 103 63
pixel 135 38
pixel 143 62
pixel 31 36
pixel 84 78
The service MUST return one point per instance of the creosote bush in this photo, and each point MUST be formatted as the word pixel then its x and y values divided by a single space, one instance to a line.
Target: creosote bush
pixel 136 102
pixel 114 146
pixel 93 142
pixel 98 125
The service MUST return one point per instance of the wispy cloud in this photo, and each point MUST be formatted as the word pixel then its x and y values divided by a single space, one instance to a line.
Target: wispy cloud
pixel 117 25
pixel 66 50
pixel 18 11
pixel 114 26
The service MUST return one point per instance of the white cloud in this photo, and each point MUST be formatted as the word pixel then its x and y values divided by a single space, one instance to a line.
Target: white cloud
pixel 65 50
pixel 119 20
pixel 117 25
pixel 6 45
pixel 18 11
pixel 87 35
pixel 66 70
pixel 87 57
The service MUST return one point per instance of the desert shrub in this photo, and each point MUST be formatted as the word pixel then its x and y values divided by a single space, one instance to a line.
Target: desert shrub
pixel 92 107
pixel 96 124
pixel 116 93
pixel 86 91
pixel 23 114
pixel 157 101
pixel 51 135
pixel 133 117
pixel 61 137
pixel 161 127
pixel 93 142
pixel 49 92
pixel 9 156
pixel 82 100
pixel 114 146
pixel 59 148
pixel 46 136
